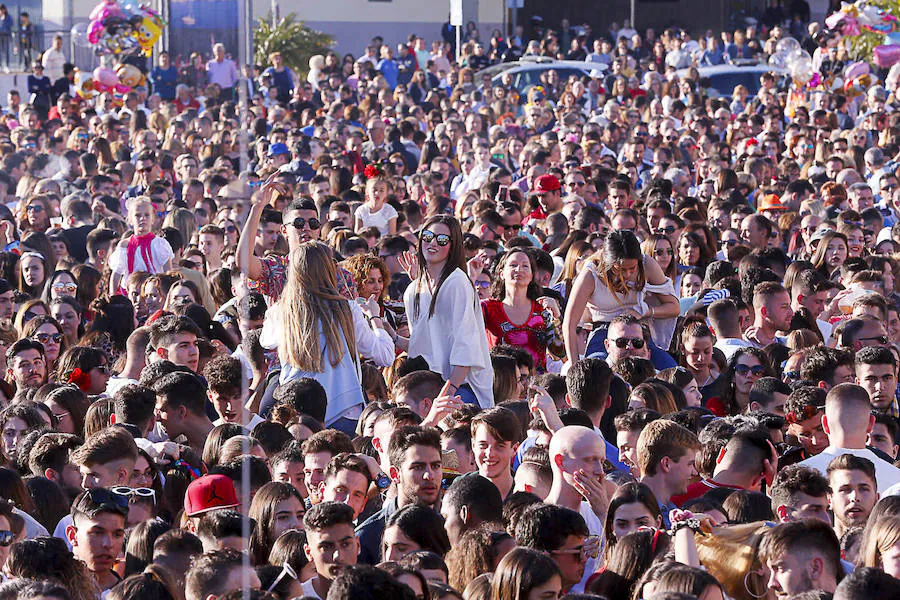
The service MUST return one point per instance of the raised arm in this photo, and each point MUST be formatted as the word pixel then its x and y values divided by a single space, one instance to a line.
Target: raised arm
pixel 247 262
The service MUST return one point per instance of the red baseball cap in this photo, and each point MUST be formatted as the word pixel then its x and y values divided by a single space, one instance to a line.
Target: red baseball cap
pixel 546 183
pixel 209 493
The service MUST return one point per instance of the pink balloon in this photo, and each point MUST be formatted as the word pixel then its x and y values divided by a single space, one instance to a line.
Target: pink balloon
pixel 95 31
pixel 886 56
pixel 105 77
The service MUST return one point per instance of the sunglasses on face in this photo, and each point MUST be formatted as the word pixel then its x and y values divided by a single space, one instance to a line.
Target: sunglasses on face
pixel 47 337
pixel 728 243
pixel 429 236
pixel 70 288
pixel 667 230
pixel 757 370
pixel 34 208
pixel 483 284
pixel 300 222
pixel 622 343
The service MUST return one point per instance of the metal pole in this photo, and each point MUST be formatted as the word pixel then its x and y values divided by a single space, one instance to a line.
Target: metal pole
pixel 274 14
pixel 458 44
pixel 515 18
pixel 633 23
pixel 245 54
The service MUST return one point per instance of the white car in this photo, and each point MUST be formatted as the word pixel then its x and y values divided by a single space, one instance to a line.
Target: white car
pixel 722 79
pixel 527 71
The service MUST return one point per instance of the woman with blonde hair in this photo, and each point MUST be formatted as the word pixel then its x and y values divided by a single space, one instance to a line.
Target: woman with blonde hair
pixel 880 546
pixel 78 139
pixel 578 252
pixel 184 221
pixel 319 333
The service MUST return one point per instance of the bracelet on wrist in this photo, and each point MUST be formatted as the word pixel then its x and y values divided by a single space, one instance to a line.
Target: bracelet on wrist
pixel 692 524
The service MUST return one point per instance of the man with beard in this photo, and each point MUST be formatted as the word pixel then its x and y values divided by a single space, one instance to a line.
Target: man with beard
pixel 854 491
pixel 330 545
pixel 414 454
pixel 773 313
pixel 801 556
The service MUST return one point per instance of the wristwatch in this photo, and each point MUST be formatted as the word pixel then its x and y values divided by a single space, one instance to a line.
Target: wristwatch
pixel 382 481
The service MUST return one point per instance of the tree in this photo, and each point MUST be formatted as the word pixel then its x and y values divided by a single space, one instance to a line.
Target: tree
pixel 296 42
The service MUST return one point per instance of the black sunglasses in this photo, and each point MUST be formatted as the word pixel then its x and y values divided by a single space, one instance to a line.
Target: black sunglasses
pixel 429 236
pixel 757 370
pixel 108 500
pixel 622 343
pixel 300 222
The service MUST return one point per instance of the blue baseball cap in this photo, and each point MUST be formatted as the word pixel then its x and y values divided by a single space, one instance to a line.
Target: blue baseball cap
pixel 276 149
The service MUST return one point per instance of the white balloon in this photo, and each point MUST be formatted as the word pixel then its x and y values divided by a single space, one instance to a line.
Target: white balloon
pixel 787 44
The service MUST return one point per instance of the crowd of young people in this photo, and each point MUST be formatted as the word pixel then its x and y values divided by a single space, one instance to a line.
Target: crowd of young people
pixel 379 337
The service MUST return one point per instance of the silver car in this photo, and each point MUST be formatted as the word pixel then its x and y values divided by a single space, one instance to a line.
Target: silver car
pixel 526 72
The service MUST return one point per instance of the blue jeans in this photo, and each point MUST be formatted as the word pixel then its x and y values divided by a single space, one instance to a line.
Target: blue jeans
pixel 596 349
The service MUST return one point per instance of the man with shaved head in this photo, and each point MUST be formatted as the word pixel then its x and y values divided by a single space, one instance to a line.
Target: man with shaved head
pixel 576 459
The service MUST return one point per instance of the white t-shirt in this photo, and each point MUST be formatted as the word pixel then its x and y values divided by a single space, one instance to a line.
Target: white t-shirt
pixel 309 590
pixel 255 420
pixel 379 219
pixel 160 254
pixel 595 527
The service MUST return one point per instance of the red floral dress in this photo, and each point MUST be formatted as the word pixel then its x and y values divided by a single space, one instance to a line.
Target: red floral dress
pixel 534 335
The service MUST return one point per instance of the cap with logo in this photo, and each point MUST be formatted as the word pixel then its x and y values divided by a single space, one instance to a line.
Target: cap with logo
pixel 209 493
pixel 546 183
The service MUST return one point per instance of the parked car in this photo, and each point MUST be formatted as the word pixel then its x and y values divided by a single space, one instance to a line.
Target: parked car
pixel 527 71
pixel 721 80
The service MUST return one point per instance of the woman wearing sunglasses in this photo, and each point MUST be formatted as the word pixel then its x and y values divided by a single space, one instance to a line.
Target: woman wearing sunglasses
pixel 46 330
pixel 730 394
pixel 86 367
pixel 619 280
pixel 445 321
pixel 61 283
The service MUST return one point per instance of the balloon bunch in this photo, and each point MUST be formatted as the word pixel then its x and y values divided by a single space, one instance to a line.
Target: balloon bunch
pixel 869 28
pixel 118 82
pixel 790 58
pixel 116 28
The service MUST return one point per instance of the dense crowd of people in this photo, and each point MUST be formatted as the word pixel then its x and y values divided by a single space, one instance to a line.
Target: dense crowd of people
pixel 398 330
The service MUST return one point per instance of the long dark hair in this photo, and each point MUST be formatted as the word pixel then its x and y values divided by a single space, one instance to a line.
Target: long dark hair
pixel 422 525
pixel 729 397
pixel 619 246
pixel 262 510
pixel 630 493
pixel 456 259
pixel 498 288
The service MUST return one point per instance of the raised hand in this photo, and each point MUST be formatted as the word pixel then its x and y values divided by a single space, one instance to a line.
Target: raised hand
pixel 410 263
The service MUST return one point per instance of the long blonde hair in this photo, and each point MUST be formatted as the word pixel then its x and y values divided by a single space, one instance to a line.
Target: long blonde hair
pixel 311 302
pixel 730 554
pixel 883 534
